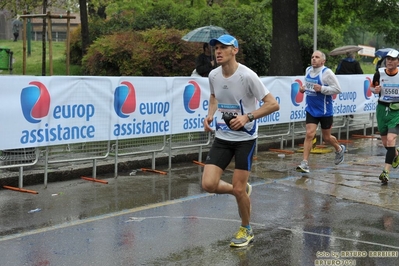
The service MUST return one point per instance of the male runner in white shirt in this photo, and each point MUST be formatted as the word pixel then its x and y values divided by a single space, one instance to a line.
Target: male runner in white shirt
pixel 234 108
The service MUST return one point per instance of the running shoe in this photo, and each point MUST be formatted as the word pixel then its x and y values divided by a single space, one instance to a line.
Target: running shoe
pixel 303 167
pixel 339 155
pixel 384 177
pixel 395 162
pixel 242 238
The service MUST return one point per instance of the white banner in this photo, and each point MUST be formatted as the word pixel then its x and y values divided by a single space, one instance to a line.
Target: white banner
pixel 45 111
pixel 141 107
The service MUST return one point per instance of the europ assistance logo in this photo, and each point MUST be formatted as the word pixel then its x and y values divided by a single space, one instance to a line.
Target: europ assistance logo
pixel 191 97
pixel 366 89
pixel 124 99
pixel 296 95
pixel 35 102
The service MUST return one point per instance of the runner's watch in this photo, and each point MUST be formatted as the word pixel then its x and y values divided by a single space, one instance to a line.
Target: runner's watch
pixel 250 117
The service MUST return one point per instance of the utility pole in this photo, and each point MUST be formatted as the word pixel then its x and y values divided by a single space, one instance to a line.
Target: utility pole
pixel 315 26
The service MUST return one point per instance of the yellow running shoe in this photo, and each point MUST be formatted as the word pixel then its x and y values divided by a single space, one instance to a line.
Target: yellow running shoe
pixel 384 177
pixel 242 238
pixel 395 162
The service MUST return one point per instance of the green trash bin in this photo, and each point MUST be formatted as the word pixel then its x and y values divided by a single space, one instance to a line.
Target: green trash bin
pixel 4 58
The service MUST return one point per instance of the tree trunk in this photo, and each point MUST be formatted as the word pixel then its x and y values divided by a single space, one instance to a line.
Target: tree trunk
pixel 44 38
pixel 84 22
pixel 285 59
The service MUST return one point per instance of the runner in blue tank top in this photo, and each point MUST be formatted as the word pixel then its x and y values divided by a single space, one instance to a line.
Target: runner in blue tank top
pixel 320 85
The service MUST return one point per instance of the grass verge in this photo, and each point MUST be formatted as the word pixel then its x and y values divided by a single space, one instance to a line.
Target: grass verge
pixel 34 61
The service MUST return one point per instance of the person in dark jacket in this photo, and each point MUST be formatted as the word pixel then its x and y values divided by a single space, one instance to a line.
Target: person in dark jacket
pixel 349 65
pixel 16 25
pixel 204 63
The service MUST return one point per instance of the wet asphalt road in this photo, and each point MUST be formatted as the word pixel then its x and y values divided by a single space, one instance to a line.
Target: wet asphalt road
pixel 336 214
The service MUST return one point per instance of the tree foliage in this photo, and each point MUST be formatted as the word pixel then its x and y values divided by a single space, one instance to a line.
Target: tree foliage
pixel 170 17
pixel 381 17
pixel 327 40
pixel 154 52
pixel 251 24
pixel 340 22
pixel 355 17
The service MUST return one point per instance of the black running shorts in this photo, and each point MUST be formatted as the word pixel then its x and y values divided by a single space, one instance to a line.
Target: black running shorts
pixel 325 121
pixel 223 151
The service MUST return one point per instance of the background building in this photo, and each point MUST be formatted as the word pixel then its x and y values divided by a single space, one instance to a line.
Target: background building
pixel 59 26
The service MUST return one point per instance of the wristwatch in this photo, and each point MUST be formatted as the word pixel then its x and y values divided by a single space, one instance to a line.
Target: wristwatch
pixel 250 117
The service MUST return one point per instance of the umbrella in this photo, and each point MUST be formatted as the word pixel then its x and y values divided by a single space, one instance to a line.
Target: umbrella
pixel 345 49
pixel 382 52
pixel 204 34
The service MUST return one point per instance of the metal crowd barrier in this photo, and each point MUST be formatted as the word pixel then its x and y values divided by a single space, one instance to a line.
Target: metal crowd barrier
pixel 361 121
pixel 19 158
pixel 73 155
pixel 76 153
pixel 297 129
pixel 138 146
pixel 196 140
pixel 339 123
pixel 277 132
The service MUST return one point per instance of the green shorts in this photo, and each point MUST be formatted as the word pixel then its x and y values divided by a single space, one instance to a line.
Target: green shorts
pixel 387 119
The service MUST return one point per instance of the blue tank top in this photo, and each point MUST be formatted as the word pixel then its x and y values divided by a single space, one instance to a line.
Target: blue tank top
pixel 317 103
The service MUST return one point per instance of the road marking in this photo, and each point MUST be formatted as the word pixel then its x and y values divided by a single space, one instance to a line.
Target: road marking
pixel 120 213
pixel 166 203
pixel 102 217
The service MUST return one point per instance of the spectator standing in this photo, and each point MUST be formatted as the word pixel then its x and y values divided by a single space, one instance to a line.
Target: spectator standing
pixel 204 62
pixel 349 65
pixel 16 25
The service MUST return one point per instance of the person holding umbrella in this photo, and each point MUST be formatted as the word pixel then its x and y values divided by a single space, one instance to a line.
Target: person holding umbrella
pixel 349 65
pixel 386 85
pixel 204 62
pixel 235 93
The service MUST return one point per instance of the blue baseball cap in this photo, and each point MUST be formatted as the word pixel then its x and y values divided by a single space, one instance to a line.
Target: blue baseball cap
pixel 226 40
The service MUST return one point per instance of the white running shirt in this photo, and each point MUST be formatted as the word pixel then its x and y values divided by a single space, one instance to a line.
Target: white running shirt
pixel 238 94
pixel 389 87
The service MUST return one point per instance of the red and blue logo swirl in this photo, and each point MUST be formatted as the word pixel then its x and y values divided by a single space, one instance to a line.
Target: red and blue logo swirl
pixel 191 97
pixel 296 95
pixel 366 88
pixel 124 99
pixel 35 102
